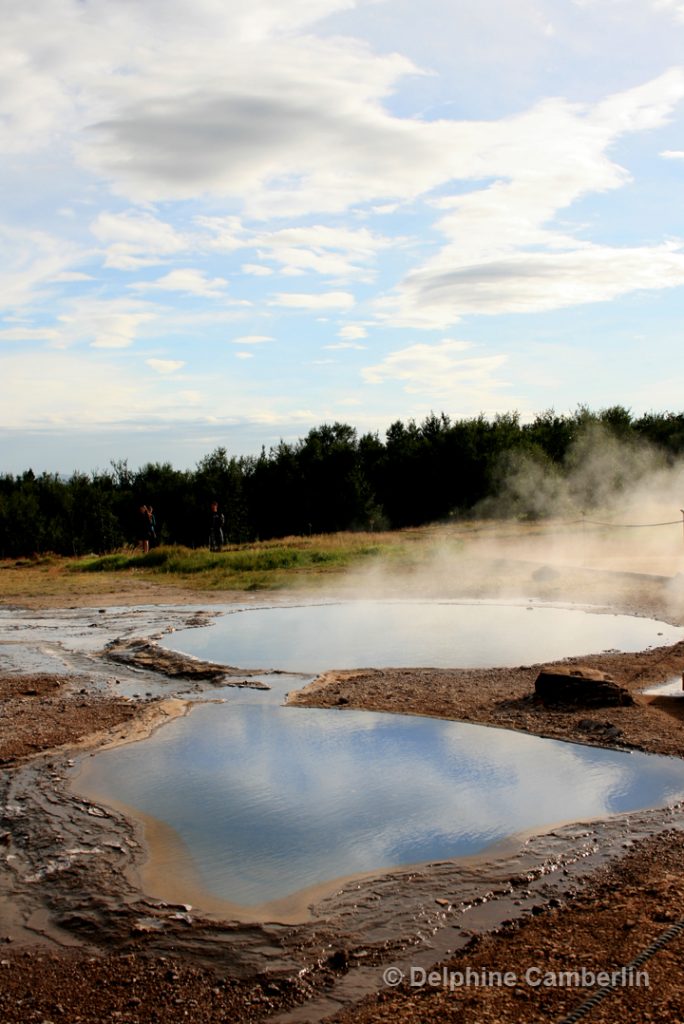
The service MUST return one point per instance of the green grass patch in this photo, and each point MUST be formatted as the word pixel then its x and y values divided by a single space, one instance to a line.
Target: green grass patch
pixel 249 566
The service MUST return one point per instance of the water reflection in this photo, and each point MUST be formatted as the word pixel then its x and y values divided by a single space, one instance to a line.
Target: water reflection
pixel 270 800
pixel 363 634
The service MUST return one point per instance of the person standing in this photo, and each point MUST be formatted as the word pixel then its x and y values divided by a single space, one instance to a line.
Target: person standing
pixel 216 523
pixel 147 527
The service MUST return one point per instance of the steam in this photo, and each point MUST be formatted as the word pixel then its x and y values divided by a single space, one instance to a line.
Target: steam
pixel 602 474
pixel 605 528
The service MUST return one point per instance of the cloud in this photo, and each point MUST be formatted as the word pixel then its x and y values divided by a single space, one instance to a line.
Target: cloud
pixel 103 323
pixel 352 331
pixel 676 6
pixel 338 252
pixel 118 331
pixel 502 252
pixel 256 269
pixel 527 282
pixel 342 253
pixel 66 390
pixel 186 280
pixel 165 366
pixel 28 334
pixel 252 339
pixel 71 276
pixel 136 239
pixel 32 263
pixel 673 154
pixel 346 345
pixel 320 300
pixel 245 122
pixel 437 369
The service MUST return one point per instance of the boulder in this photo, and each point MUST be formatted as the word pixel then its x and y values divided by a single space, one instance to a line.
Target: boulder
pixel 580 687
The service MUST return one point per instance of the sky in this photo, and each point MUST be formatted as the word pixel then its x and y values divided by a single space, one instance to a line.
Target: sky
pixel 223 224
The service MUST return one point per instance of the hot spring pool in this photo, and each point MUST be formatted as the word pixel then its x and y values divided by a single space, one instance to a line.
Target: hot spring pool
pixel 449 634
pixel 264 800
pixel 254 801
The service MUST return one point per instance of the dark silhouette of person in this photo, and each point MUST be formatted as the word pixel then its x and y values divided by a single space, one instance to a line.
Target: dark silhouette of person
pixel 216 523
pixel 148 528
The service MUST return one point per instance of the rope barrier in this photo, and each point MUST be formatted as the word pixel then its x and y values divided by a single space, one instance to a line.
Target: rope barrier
pixel 629 526
pixel 588 1005
pixel 583 521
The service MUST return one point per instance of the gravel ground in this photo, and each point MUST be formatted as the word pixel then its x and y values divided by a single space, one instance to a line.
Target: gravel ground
pixel 42 712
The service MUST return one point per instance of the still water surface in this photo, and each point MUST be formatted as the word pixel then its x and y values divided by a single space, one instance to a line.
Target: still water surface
pixel 370 634
pixel 268 800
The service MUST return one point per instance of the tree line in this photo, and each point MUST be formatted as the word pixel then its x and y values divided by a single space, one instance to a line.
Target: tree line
pixel 332 479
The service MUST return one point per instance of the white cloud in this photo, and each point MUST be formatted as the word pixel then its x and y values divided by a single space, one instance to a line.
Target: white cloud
pixel 252 339
pixel 32 262
pixel 352 331
pixel 118 331
pixel 165 366
pixel 186 280
pixel 320 300
pixel 136 239
pixel 66 390
pixel 28 334
pixel 338 252
pixel 244 355
pixel 247 123
pixel 256 269
pixel 226 234
pixel 528 282
pixel 103 323
pixel 71 276
pixel 676 6
pixel 502 252
pixel 342 253
pixel 673 154
pixel 437 369
pixel 346 345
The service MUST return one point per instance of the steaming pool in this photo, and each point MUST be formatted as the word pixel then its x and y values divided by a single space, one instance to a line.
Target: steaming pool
pixel 248 801
pixel 409 634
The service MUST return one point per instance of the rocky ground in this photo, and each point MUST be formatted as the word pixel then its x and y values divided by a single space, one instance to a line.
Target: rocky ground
pixel 596 915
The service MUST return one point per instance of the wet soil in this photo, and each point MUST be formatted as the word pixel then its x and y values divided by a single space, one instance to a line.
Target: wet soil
pixel 600 928
pixel 79 940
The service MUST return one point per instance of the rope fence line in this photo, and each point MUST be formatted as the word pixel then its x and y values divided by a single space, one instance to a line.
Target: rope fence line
pixel 583 521
pixel 588 1005
pixel 629 526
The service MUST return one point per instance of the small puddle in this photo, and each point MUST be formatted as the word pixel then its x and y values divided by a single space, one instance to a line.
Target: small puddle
pixel 673 687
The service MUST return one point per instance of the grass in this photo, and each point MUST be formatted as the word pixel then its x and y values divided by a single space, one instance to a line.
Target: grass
pixel 267 565
pixel 287 563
